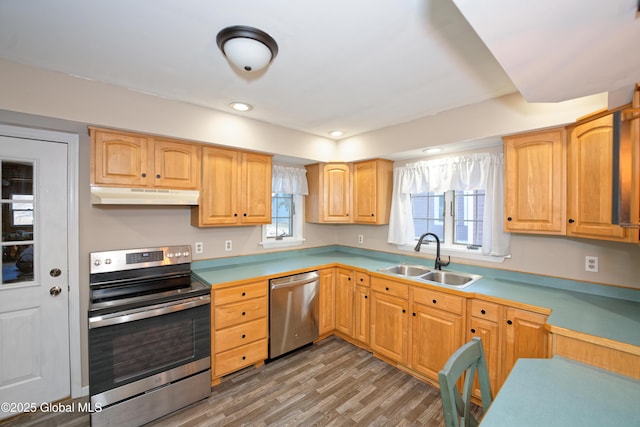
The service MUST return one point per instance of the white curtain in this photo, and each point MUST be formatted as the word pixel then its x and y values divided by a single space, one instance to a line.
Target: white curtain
pixel 289 180
pixel 464 173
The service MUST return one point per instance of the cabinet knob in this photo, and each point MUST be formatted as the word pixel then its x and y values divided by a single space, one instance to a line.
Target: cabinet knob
pixel 509 218
pixel 435 301
pixel 244 357
pixel 404 311
pixel 244 313
pixel 509 322
pixel 235 214
pixel 483 312
pixel 366 296
pixel 244 294
pixel 158 176
pixel 571 220
pixel 473 331
pixel 386 289
pixel 414 314
pixel 244 214
pixel 243 336
pixel 347 214
pixel 144 175
pixel 361 279
pixel 373 215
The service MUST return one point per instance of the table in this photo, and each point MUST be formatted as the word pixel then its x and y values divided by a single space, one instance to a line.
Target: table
pixel 563 392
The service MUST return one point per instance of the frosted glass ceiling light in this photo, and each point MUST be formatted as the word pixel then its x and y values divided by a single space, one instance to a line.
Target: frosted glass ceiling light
pixel 241 106
pixel 247 48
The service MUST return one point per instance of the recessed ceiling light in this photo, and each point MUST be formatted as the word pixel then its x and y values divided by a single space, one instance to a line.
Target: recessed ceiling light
pixel 432 150
pixel 241 106
pixel 336 133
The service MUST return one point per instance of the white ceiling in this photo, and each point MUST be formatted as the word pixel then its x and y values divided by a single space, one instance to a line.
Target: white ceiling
pixel 355 65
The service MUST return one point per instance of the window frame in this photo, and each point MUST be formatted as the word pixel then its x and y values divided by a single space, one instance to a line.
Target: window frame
pixel 297 223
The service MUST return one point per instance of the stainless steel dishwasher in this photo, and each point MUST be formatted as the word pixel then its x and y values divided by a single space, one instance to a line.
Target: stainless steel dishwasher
pixel 293 312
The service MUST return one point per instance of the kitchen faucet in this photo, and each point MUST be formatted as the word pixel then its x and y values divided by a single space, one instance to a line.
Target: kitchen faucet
pixel 439 263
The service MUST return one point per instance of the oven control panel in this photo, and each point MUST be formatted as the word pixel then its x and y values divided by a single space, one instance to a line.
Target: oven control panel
pixel 128 259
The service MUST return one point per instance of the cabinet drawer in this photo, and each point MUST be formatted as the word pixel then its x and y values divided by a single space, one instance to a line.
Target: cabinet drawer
pixel 362 279
pixel 389 287
pixel 484 310
pixel 239 358
pixel 447 302
pixel 239 312
pixel 238 335
pixel 239 293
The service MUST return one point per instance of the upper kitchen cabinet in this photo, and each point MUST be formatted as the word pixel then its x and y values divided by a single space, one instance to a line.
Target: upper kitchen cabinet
pixel 372 186
pixel 329 198
pixel 236 189
pixel 590 180
pixel 343 193
pixel 535 182
pixel 133 160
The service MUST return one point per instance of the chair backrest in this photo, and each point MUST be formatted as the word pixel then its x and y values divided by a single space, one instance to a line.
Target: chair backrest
pixel 467 360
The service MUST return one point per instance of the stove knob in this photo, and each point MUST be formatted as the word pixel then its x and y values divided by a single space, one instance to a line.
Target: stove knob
pixel 107 261
pixel 97 262
pixel 185 253
pixel 170 255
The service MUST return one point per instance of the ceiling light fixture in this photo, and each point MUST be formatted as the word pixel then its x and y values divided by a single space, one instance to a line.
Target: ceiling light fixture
pixel 336 133
pixel 432 150
pixel 241 106
pixel 247 48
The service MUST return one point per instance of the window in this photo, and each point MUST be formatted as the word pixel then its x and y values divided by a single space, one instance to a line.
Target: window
pixel 22 209
pixel 455 217
pixel 287 213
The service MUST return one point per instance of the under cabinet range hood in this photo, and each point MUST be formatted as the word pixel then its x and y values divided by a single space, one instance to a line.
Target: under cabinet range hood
pixel 142 196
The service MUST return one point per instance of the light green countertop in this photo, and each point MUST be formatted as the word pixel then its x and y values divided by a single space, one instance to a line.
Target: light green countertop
pixel 603 311
pixel 562 392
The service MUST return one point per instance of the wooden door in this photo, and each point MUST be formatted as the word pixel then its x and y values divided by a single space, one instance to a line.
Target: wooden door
pixel 535 182
pixel 219 193
pixel 364 192
pixel 255 189
pixel 336 204
pixel 176 165
pixel 389 326
pixel 524 336
pixel 590 175
pixel 120 159
pixel 361 314
pixel 327 316
pixel 436 335
pixel 489 333
pixel 344 301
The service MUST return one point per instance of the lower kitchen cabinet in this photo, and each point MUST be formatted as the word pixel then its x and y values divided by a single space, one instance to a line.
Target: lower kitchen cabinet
pixel 437 329
pixel 239 328
pixel 507 334
pixel 352 304
pixel 389 319
pixel 327 295
pixel 361 314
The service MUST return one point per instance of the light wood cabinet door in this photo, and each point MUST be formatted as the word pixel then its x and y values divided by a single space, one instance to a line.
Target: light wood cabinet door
pixel 344 301
pixel 436 335
pixel 524 336
pixel 488 331
pixel 336 202
pixel 535 182
pixel 372 185
pixel 590 174
pixel 327 316
pixel 176 165
pixel 361 311
pixel 219 194
pixel 255 189
pixel 389 326
pixel 121 159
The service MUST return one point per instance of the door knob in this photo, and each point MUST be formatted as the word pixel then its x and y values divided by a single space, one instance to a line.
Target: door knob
pixel 55 272
pixel 55 291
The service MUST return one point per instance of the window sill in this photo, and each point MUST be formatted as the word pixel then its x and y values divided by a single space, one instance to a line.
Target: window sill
pixel 268 244
pixel 459 253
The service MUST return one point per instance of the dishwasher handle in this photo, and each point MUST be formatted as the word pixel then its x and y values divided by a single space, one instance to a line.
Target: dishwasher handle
pixel 293 281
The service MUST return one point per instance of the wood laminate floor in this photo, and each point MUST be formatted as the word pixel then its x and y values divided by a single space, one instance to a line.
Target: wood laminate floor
pixel 332 383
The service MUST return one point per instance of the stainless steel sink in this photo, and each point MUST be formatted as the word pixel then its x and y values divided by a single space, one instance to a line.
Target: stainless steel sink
pixel 459 280
pixel 406 270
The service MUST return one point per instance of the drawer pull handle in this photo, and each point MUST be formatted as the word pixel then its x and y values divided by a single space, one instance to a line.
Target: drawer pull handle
pixel 483 312
pixel 387 288
pixel 243 336
pixel 244 313
pixel 435 301
pixel 244 358
pixel 244 294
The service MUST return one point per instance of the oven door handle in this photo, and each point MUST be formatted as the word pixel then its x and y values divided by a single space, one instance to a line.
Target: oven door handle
pixel 147 312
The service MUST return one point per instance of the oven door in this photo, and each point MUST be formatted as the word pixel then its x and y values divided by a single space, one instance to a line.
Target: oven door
pixel 151 345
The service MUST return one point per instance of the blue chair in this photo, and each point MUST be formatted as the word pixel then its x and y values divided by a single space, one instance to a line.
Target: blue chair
pixel 465 362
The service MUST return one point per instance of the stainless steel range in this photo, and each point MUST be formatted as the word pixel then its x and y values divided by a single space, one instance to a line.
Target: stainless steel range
pixel 149 335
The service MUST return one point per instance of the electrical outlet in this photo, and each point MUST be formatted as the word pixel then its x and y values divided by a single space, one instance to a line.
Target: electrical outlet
pixel 228 245
pixel 360 238
pixel 199 247
pixel 591 264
